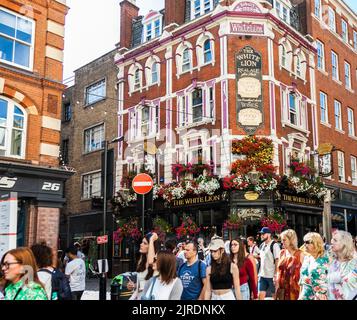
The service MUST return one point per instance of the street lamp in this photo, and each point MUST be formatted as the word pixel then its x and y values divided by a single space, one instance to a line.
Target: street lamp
pixel 103 278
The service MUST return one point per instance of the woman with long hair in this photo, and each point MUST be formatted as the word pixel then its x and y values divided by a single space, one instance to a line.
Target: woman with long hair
pixel 222 274
pixel 164 285
pixel 248 286
pixel 149 247
pixel 289 265
pixel 313 273
pixel 342 276
pixel 20 272
pixel 251 258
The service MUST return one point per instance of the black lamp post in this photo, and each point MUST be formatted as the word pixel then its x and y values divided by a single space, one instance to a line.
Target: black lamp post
pixel 103 277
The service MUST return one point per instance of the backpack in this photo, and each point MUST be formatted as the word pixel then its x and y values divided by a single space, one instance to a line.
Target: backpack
pixel 61 289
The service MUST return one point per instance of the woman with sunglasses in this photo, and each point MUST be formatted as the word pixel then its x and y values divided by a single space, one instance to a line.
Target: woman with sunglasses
pixel 314 270
pixel 149 247
pixel 342 276
pixel 289 265
pixel 248 286
pixel 20 272
pixel 2 285
pixel 164 285
pixel 222 274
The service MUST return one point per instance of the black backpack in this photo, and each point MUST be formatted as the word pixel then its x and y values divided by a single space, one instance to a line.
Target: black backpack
pixel 271 248
pixel 61 289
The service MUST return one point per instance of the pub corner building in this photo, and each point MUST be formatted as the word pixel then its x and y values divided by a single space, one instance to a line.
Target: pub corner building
pixel 200 75
pixel 31 176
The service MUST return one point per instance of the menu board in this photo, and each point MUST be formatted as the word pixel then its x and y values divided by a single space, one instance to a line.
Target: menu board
pixel 8 222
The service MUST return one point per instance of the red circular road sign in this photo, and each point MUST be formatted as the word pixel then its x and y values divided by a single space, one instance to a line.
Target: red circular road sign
pixel 142 183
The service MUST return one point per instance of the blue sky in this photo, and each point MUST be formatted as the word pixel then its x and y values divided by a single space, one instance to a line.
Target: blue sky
pixel 92 29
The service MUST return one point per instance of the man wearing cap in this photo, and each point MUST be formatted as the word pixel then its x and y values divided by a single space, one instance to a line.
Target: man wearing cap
pixel 269 257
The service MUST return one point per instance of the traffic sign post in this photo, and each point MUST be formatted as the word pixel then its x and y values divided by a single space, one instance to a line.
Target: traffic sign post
pixel 142 184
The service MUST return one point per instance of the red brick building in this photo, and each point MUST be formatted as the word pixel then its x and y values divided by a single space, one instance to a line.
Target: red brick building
pixel 31 67
pixel 182 76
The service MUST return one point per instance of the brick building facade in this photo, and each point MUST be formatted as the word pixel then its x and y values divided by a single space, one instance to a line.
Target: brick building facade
pixel 31 67
pixel 178 89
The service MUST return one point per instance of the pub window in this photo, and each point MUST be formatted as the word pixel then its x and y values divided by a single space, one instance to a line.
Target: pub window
pixel 197 105
pixel 13 123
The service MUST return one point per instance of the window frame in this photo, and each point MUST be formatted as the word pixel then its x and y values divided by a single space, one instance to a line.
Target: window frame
pixel 348 78
pixel 321 58
pixel 351 122
pixel 199 105
pixel 296 113
pixel 98 98
pixel 150 24
pixel 199 8
pixel 317 9
pixel 338 117
pixel 9 128
pixel 332 14
pixel 354 170
pixel 188 61
pixel 90 194
pixel 335 67
pixel 325 109
pixel 32 45
pixel 344 30
pixel 341 166
pixel 85 151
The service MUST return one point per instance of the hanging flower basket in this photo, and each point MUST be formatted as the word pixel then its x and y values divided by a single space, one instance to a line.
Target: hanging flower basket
pixel 128 230
pixel 275 222
pixel 234 222
pixel 162 228
pixel 187 229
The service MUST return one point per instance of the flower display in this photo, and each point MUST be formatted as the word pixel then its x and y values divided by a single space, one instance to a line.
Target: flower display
pixel 274 221
pixel 123 199
pixel 188 228
pixel 196 169
pixel 127 230
pixel 234 222
pixel 162 228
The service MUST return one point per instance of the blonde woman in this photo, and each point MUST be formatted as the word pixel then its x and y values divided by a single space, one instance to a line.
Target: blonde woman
pixel 289 265
pixel 313 276
pixel 342 277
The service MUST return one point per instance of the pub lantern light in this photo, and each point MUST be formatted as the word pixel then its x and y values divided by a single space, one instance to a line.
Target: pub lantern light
pixel 254 176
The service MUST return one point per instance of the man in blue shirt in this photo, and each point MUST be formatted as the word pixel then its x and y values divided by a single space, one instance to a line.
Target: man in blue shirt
pixel 192 274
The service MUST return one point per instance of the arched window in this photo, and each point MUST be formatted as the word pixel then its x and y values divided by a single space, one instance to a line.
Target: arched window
pixel 286 54
pixel 135 77
pixel 207 51
pixel 12 129
pixel 300 64
pixel 186 60
pixel 283 56
pixel 154 73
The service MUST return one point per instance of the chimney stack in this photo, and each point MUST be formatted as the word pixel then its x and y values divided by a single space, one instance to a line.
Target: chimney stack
pixel 128 12
pixel 174 13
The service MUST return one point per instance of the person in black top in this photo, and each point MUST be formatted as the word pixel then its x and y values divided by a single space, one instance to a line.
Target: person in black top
pixel 222 275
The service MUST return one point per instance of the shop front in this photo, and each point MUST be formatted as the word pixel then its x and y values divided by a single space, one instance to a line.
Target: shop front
pixel 31 198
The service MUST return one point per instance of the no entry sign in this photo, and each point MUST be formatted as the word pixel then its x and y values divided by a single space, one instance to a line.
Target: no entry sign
pixel 142 183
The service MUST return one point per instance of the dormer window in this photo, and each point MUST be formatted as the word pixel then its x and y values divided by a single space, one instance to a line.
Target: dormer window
pixel 200 7
pixel 152 26
pixel 282 10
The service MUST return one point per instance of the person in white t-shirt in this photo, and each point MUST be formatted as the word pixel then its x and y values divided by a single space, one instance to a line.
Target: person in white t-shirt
pixel 76 272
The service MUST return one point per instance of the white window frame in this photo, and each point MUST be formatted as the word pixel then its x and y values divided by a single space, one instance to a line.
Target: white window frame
pixel 296 112
pixel 335 66
pixel 145 122
pixel 149 71
pixel 8 128
pixel 186 60
pixel 351 122
pixel 354 170
pixel 341 166
pixel 348 79
pixel 344 30
pixel 288 54
pixel 355 40
pixel 300 64
pixel 338 115
pixel 323 107
pixel 98 145
pixel 96 98
pixel 150 24
pixel 197 105
pixel 31 45
pixel 200 49
pixel 182 117
pixel 332 19
pixel 88 193
pixel 132 81
pixel 320 55
pixel 317 9
pixel 198 8
pixel 179 57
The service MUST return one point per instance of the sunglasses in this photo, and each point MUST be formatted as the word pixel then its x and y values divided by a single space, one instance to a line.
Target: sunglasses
pixel 308 242
pixel 6 265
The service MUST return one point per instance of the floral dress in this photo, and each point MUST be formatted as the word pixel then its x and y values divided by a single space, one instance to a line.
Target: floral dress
pixel 289 274
pixel 20 291
pixel 313 278
pixel 342 280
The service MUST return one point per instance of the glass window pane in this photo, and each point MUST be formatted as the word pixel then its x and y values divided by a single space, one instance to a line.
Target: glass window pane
pixel 24 30
pixel 3 112
pixel 2 137
pixel 18 111
pixel 7 23
pixel 22 54
pixel 6 49
pixel 16 141
pixel 18 122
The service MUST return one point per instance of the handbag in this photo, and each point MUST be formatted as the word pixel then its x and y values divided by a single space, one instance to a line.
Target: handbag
pixel 151 297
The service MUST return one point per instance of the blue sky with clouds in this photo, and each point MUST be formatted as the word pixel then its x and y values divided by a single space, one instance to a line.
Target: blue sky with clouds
pixel 92 29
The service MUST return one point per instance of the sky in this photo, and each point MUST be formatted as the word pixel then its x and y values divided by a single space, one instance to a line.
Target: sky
pixel 92 29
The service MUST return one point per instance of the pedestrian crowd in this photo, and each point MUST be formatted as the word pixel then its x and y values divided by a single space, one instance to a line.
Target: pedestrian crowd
pixel 239 269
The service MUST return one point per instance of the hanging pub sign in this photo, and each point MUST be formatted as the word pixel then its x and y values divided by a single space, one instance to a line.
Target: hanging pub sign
pixel 325 159
pixel 249 89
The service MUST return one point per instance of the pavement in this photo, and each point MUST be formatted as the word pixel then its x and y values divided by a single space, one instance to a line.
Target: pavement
pixel 92 289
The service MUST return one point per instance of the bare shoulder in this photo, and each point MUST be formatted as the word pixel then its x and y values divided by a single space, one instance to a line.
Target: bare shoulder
pixel 234 267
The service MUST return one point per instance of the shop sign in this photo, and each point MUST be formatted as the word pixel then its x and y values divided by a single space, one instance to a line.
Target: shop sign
pixel 299 200
pixel 196 200
pixel 249 90
pixel 250 214
pixel 247 28
pixel 325 159
pixel 8 222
